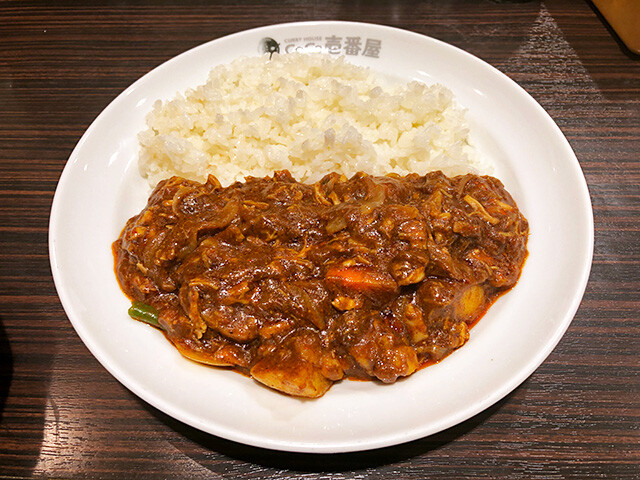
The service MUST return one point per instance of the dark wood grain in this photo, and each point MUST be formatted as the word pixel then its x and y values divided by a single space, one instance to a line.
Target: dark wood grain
pixel 63 416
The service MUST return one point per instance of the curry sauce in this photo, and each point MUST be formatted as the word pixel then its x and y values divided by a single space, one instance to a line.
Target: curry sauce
pixel 300 286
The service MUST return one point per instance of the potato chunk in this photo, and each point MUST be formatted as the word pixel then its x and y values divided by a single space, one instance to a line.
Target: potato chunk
pixel 288 374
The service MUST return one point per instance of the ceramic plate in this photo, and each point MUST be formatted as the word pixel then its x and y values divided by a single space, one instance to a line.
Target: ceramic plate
pixel 101 188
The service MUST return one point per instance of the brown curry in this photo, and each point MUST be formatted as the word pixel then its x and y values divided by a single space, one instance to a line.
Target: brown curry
pixel 302 285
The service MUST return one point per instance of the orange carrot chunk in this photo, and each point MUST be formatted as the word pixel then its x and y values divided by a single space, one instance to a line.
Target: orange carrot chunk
pixel 362 279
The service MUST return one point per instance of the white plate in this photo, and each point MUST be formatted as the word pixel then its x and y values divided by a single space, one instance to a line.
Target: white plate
pixel 100 189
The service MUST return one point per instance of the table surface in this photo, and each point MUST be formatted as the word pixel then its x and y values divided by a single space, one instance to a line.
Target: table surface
pixel 63 415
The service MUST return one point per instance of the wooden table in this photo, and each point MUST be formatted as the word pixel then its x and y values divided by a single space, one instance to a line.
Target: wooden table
pixel 63 416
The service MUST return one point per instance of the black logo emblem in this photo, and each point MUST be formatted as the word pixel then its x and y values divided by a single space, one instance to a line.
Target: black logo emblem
pixel 270 46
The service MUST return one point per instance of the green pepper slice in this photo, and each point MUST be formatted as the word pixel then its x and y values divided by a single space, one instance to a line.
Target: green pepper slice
pixel 144 313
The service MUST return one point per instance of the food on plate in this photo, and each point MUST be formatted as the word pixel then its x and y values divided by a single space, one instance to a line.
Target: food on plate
pixel 311 114
pixel 301 285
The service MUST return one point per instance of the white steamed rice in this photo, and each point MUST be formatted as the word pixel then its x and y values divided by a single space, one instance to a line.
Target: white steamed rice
pixel 311 114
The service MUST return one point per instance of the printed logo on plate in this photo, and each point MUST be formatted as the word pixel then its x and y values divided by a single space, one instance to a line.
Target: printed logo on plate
pixel 331 44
